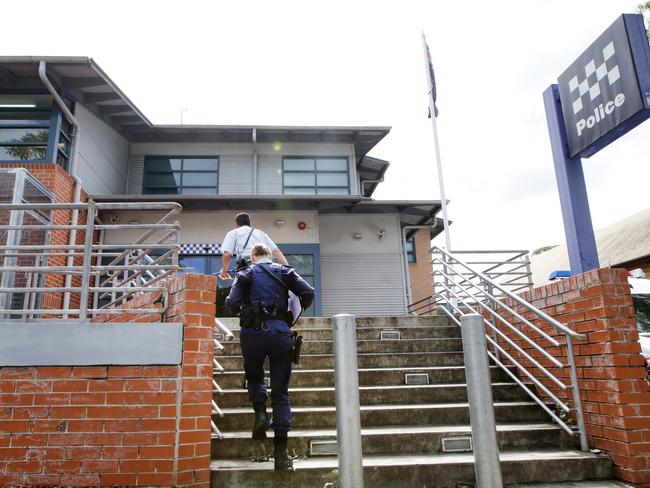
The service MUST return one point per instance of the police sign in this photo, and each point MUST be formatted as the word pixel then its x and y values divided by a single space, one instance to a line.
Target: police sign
pixel 606 91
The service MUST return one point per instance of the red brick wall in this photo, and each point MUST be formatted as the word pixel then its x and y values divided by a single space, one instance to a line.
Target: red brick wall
pixel 611 371
pixel 420 271
pixel 117 425
pixel 62 185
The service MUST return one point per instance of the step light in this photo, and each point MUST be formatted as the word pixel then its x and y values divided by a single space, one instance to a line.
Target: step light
pixel 457 444
pixel 323 448
pixel 416 378
pixel 390 335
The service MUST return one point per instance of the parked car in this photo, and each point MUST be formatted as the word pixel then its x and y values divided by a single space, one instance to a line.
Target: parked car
pixel 641 297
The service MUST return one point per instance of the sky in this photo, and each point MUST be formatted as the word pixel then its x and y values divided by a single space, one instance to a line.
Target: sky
pixel 360 62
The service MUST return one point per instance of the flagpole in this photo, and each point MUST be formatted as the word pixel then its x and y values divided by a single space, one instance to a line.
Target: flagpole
pixel 432 111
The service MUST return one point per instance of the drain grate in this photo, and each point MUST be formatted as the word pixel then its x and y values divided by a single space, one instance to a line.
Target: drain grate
pixel 416 378
pixel 457 444
pixel 323 448
pixel 390 335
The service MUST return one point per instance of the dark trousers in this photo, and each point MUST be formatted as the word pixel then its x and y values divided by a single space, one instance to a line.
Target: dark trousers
pixel 256 345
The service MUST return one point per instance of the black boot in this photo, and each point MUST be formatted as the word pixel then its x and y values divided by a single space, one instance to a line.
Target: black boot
pixel 281 455
pixel 261 424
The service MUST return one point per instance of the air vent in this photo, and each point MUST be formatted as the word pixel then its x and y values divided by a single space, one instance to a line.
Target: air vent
pixel 416 378
pixel 390 335
pixel 457 444
pixel 323 448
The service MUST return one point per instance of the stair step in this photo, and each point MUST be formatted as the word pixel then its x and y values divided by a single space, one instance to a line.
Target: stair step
pixel 386 322
pixel 388 414
pixel 373 395
pixel 366 360
pixel 371 345
pixel 367 377
pixel 398 439
pixel 391 471
pixel 406 332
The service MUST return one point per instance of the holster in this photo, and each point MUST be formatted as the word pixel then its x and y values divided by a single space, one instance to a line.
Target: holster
pixel 296 347
pixel 251 316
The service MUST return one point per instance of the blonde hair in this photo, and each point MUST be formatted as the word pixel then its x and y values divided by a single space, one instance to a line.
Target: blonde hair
pixel 260 250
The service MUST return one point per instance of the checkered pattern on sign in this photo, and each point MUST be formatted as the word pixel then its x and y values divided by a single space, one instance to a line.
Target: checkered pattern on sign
pixel 201 249
pixel 593 76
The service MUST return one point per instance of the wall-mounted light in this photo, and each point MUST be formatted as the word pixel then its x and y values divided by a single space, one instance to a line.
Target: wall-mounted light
pixel 357 236
pixel 17 105
pixel 277 146
pixel 280 223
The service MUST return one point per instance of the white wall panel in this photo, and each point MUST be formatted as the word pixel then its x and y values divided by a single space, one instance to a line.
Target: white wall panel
pixel 103 155
pixel 366 276
pixel 235 175
pixel 362 284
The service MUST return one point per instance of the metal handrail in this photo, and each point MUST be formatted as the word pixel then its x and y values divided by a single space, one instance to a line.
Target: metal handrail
pixel 216 389
pixel 461 289
pixel 29 264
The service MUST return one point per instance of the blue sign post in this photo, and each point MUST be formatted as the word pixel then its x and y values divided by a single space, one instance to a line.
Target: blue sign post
pixel 601 96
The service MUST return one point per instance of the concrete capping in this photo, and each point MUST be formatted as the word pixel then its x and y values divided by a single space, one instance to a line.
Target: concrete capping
pixel 58 343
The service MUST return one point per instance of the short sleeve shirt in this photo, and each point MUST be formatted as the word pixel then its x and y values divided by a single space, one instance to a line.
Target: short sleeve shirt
pixel 236 238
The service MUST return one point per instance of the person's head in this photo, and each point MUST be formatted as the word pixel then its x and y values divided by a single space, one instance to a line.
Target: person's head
pixel 260 252
pixel 242 219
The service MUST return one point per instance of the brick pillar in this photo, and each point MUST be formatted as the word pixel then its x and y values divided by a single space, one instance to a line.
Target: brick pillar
pixel 611 371
pixel 420 271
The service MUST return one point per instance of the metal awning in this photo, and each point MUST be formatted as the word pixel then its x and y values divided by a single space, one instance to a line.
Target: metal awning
pixel 411 212
pixel 372 171
pixel 87 83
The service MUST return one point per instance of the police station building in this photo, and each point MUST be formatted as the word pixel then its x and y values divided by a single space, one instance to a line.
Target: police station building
pixel 309 188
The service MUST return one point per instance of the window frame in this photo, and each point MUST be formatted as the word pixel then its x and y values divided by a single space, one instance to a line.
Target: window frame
pixel 150 190
pixel 411 257
pixel 316 172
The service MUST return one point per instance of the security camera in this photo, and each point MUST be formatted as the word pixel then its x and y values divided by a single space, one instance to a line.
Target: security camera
pixel 381 233
pixel 114 218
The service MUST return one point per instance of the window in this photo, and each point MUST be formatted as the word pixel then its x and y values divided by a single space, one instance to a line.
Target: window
pixel 181 175
pixel 316 176
pixel 32 129
pixel 410 250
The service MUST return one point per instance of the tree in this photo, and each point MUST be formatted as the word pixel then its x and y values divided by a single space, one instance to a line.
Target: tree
pixel 29 153
pixel 644 9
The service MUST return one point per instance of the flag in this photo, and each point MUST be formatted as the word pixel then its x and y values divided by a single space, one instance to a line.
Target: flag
pixel 432 77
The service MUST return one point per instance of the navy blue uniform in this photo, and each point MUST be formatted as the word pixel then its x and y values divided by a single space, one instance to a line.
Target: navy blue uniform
pixel 273 339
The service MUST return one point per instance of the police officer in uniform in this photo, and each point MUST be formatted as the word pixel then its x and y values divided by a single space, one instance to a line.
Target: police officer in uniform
pixel 259 295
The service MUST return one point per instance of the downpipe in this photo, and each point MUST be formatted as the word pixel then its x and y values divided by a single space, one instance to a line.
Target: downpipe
pixel 72 170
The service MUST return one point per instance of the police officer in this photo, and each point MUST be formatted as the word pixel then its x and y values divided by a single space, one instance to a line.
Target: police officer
pixel 263 287
pixel 240 241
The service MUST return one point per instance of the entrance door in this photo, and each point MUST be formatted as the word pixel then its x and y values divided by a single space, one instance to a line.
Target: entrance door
pixel 305 259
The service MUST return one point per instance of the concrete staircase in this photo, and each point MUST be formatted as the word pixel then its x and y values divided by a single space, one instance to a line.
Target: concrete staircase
pixel 403 426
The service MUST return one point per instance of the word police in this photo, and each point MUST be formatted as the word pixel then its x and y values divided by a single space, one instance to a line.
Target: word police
pixel 600 112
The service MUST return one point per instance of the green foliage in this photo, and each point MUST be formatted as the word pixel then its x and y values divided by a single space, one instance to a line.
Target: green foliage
pixel 28 153
pixel 642 308
pixel 644 9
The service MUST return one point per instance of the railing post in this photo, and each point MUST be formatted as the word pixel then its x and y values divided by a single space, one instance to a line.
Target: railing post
pixel 87 261
pixel 493 306
pixel 481 406
pixel 348 417
pixel 577 401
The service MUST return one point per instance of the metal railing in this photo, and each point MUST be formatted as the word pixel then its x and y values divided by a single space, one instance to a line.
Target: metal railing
pixel 221 333
pixel 515 340
pixel 121 271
